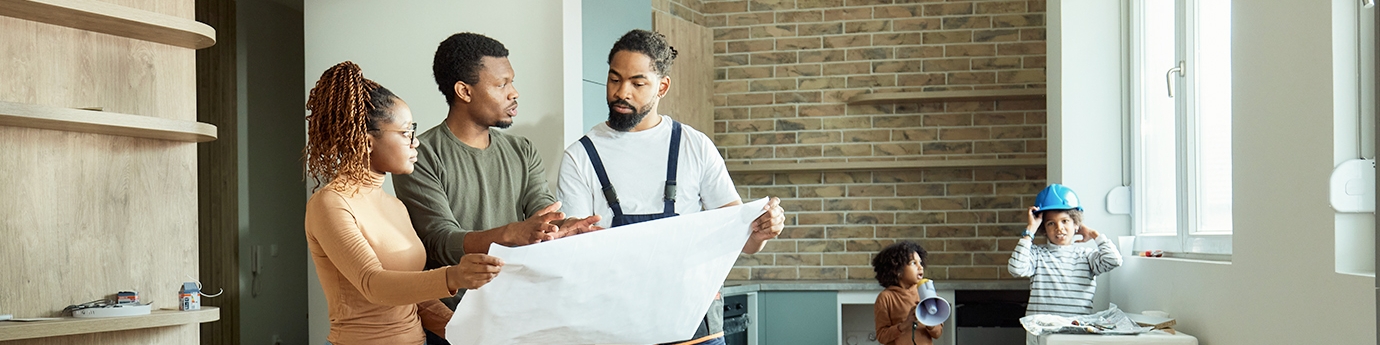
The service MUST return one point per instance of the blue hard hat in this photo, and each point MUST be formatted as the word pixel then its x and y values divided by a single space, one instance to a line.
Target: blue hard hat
pixel 1057 197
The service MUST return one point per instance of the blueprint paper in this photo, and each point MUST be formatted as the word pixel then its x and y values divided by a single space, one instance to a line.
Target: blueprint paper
pixel 642 283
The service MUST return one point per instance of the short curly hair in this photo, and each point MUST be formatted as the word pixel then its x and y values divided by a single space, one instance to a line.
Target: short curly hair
pixel 459 58
pixel 890 260
pixel 647 43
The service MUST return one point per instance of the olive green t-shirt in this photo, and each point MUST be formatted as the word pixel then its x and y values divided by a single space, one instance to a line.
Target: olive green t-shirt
pixel 455 189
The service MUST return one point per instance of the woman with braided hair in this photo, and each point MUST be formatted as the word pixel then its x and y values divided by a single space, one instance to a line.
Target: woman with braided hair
pixel 367 255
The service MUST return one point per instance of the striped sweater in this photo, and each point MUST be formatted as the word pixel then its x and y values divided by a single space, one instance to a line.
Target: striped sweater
pixel 1061 277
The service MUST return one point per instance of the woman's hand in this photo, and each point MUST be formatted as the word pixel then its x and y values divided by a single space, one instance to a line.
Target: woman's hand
pixel 473 271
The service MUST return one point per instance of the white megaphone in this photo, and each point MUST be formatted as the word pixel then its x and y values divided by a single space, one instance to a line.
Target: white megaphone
pixel 932 310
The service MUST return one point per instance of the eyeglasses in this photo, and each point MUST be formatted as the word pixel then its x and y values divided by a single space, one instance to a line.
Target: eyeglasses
pixel 410 133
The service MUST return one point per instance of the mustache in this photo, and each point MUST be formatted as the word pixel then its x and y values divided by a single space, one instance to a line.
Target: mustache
pixel 622 103
pixel 515 104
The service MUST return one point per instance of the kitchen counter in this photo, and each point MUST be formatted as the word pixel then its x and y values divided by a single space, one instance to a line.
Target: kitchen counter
pixel 738 287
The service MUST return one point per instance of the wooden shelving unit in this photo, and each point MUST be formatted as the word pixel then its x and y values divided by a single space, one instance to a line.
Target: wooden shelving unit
pixel 10 330
pixel 946 96
pixel 107 18
pixel 883 165
pixel 88 121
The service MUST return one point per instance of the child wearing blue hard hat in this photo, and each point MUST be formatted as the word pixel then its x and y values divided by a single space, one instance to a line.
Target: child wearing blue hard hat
pixel 1061 274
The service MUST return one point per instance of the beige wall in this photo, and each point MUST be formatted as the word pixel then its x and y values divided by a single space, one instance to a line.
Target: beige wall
pixel 784 71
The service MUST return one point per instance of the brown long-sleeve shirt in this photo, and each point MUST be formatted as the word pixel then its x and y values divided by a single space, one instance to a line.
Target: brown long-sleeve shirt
pixel 892 309
pixel 370 261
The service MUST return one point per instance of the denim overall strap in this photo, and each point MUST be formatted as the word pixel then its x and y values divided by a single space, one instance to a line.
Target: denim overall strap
pixel 609 194
pixel 672 161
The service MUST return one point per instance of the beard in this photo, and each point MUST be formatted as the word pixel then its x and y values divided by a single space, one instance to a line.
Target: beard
pixel 625 122
pixel 503 124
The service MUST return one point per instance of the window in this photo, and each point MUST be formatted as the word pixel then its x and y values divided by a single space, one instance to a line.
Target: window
pixel 1181 125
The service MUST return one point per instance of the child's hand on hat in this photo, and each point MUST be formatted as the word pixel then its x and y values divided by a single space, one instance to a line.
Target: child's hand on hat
pixel 1033 219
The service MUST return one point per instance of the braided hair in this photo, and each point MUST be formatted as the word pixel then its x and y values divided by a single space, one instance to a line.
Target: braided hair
pixel 344 107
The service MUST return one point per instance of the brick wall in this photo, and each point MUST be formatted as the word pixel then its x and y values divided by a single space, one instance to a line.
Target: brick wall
pixel 784 69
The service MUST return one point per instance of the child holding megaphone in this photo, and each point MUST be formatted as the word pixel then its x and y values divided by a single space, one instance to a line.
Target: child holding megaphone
pixel 900 269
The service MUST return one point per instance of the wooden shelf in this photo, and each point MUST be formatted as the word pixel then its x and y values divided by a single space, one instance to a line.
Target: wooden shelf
pixel 88 121
pixel 883 165
pixel 947 96
pixel 10 330
pixel 113 19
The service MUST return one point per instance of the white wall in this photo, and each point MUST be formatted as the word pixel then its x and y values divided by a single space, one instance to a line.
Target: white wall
pixel 1280 286
pixel 1085 111
pixel 394 41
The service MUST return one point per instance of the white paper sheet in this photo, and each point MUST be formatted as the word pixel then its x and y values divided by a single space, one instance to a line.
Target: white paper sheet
pixel 643 283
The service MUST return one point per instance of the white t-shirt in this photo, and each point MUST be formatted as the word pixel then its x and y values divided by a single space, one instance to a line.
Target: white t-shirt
pixel 636 166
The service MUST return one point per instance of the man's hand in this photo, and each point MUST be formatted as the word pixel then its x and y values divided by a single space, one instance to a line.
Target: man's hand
pixel 535 229
pixel 475 270
pixel 1088 233
pixel 574 226
pixel 1033 219
pixel 769 224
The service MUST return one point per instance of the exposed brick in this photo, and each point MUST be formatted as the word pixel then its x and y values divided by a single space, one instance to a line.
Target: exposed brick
pixel 898 11
pixel 821 191
pixel 848 14
pixel 974 272
pixel 966 78
pixel 971 245
pixel 971 217
pixel 774 58
pixel 747 152
pixel 944 37
pixel 899 149
pixel 938 65
pixel 942 204
pixel 750 46
pixel 797 97
pixel 750 99
pixel 847 68
pixel 1021 76
pixel 821 29
pixel 965 133
pixel 866 2
pixel 772 111
pixel 822 55
pixel 870 218
pixel 869 53
pixel 896 204
pixel 846 123
pixel 847 150
pixel 723 34
pixel 722 87
pixel 761 85
pixel 899 232
pixel 996 63
pixel 749 73
pixel 818 3
pixel 801 70
pixel 819 246
pixel 919 52
pixel 767 31
pixel 744 19
pixel 725 7
pixel 920 217
pixel 770 5
pixel 970 50
pixel 867 26
pixel 819 218
pixel 872 81
pixel 755 260
pixel 818 137
pixel 822 110
pixel 915 134
pixel 1018 20
pixel 948 9
pixel 1001 7
pixel 950 259
pixel 849 259
pixel 822 83
pixel 948 120
pixel 896 38
pixel 893 176
pixel 774 273
pixel 917 24
pixel 847 41
pixel 773 138
pixel 999 146
pixel 799 16
pixel 1023 48
pixel 823 273
pixel 798 43
pixel 996 35
pixel 950 231
pixel 967 22
pixel 848 177
pixel 920 79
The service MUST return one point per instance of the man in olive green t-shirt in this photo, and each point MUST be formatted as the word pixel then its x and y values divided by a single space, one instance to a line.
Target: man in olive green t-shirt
pixel 472 187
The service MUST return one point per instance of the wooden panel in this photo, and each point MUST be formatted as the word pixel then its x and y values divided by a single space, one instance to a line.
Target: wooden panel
pixel 84 215
pixel 98 16
pixel 218 173
pixel 99 122
pixel 692 76
pixel 883 165
pixel 72 326
pixel 947 96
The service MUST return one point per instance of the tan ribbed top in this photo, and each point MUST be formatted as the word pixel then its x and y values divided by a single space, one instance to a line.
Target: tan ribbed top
pixel 369 261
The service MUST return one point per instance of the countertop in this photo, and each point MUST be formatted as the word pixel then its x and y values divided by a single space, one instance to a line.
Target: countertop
pixel 738 287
